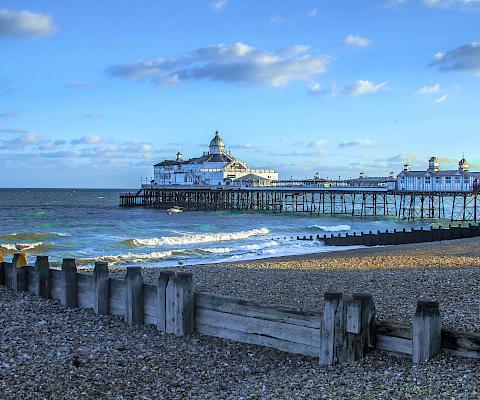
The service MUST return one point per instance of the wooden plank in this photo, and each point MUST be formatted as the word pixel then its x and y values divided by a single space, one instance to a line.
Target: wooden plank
pixel 395 330
pixel 461 343
pixel 19 272
pixel 278 330
pixel 55 284
pixel 85 283
pixel 31 279
pixel 250 308
pixel 186 307
pixel 118 297
pixel 333 336
pixel 257 339
pixel 354 314
pixel 85 299
pixel 394 344
pixel 170 305
pixel 150 303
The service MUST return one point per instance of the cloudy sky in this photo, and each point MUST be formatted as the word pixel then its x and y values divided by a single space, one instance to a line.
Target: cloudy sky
pixel 92 93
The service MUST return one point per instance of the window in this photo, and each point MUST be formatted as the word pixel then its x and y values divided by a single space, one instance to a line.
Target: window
pixel 438 179
pixel 457 179
pixel 427 180
pixel 448 179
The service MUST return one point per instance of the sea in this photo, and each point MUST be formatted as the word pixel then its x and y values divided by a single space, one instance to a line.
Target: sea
pixel 88 225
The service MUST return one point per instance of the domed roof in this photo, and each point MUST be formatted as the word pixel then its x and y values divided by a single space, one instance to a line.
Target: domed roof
pixel 217 141
pixel 217 145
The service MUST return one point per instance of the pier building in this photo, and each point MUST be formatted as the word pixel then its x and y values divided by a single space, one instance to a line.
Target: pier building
pixel 217 167
pixel 436 180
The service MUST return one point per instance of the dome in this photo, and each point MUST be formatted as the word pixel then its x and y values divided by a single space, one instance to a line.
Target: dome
pixel 217 145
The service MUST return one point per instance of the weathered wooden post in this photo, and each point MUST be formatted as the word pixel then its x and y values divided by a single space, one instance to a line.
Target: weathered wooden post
pixel 360 326
pixel 163 279
pixel 42 277
pixel 2 269
pixel 101 288
pixel 185 320
pixel 69 287
pixel 427 331
pixel 19 272
pixel 179 305
pixel 332 348
pixel 134 315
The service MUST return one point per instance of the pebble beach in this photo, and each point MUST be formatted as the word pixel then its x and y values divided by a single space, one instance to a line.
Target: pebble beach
pixel 51 352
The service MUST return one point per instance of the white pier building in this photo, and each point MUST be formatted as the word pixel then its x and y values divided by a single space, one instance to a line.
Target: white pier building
pixel 217 167
pixel 436 180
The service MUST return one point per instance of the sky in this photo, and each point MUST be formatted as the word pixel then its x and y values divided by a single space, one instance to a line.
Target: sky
pixel 93 93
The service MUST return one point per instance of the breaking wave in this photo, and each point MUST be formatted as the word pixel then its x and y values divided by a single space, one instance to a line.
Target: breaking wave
pixel 21 246
pixel 31 236
pixel 196 238
pixel 333 228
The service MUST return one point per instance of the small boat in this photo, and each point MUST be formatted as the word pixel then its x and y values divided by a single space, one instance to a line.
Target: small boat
pixel 175 209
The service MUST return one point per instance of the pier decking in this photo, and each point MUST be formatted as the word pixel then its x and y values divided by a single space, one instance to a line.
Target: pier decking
pixel 349 201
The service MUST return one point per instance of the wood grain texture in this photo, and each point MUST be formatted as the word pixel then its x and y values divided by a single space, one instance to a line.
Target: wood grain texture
pixel 257 339
pixel 250 308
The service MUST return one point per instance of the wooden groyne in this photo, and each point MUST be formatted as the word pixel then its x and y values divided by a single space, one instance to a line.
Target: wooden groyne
pixel 347 201
pixel 345 330
pixel 398 237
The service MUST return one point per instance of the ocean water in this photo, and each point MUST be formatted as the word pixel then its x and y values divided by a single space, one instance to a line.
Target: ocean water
pixel 88 225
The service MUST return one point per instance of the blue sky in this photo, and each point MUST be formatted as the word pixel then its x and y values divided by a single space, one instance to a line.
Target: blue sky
pixel 93 93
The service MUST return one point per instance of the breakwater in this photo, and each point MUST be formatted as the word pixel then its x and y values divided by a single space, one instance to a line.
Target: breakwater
pixel 398 237
pixel 345 330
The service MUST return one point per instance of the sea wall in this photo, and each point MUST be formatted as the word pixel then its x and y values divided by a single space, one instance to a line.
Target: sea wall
pixel 345 330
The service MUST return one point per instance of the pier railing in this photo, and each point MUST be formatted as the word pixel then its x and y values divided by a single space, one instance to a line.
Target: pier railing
pixel 345 330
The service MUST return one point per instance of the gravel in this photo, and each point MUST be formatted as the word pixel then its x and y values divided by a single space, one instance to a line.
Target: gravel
pixel 50 352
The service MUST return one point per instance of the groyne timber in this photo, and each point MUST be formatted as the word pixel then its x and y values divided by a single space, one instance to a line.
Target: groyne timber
pixel 347 201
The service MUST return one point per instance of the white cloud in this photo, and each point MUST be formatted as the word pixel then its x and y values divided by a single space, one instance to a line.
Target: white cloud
pixel 90 139
pixel 467 5
pixel 219 5
pixel 313 12
pixel 429 89
pixel 276 19
pixel 441 99
pixel 25 24
pixel 357 143
pixel 363 87
pixel 352 40
pixel 236 63
pixel 462 58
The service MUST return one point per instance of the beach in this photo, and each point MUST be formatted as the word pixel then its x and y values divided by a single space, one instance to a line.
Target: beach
pixel 50 351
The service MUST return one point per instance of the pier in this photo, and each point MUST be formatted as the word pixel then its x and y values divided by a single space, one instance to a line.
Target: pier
pixel 334 201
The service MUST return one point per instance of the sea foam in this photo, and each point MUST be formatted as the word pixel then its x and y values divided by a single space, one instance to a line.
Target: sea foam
pixel 196 238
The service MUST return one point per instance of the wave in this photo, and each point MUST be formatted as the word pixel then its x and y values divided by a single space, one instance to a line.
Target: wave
pixel 260 246
pixel 128 258
pixel 333 228
pixel 31 236
pixel 22 246
pixel 196 238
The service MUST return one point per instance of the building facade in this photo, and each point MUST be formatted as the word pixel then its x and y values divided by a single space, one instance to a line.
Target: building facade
pixel 217 167
pixel 436 180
